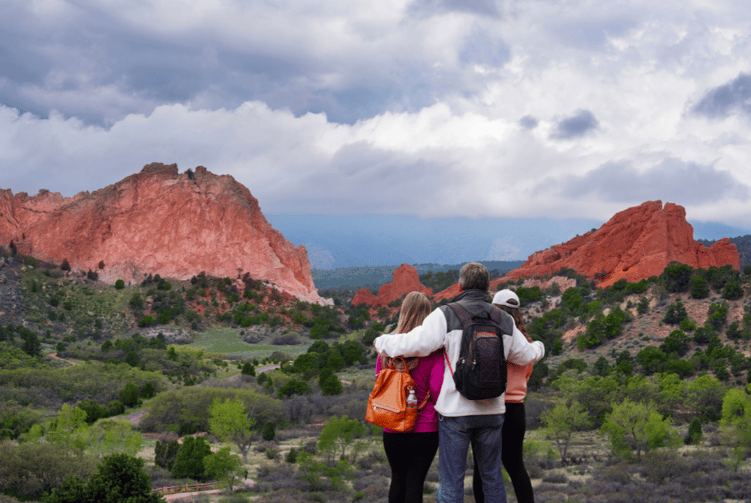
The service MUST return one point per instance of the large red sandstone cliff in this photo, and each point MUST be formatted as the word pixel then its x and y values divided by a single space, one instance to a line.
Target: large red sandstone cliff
pixel 405 279
pixel 158 221
pixel 634 244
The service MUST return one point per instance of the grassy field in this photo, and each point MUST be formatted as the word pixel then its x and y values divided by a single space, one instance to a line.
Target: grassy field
pixel 223 340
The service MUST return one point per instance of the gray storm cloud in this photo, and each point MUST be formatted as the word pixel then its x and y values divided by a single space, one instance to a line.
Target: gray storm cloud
pixel 672 180
pixel 724 100
pixel 575 126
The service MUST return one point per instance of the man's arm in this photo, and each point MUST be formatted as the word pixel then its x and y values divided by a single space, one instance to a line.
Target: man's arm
pixel 421 341
pixel 520 351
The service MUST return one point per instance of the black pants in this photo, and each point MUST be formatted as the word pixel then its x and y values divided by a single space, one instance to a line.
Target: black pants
pixel 410 456
pixel 514 427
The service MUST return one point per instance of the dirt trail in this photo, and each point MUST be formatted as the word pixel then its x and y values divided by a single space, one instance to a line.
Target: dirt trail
pixel 54 355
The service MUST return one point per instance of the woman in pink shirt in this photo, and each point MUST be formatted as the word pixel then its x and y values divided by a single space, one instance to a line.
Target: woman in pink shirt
pixel 410 454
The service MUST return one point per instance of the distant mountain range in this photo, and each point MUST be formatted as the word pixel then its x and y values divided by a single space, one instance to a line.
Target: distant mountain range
pixel 351 278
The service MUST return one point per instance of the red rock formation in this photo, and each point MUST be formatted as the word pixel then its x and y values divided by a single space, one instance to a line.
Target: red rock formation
pixel 404 280
pixel 158 221
pixel 635 244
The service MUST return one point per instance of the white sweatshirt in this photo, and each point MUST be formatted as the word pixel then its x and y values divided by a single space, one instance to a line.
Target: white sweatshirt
pixel 431 336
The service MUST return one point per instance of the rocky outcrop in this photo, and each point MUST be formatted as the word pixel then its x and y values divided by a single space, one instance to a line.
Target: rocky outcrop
pixel 158 221
pixel 635 244
pixel 405 279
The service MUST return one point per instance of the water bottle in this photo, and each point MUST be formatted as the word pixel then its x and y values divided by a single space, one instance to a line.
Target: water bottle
pixel 411 399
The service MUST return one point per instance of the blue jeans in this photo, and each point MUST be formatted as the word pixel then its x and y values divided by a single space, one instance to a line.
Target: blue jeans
pixel 455 436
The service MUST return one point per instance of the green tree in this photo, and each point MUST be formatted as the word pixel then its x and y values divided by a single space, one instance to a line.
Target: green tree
pixel 148 390
pixel 675 313
pixel 330 385
pixel 306 362
pixel 28 470
pixel 189 461
pixel 335 360
pixel 248 369
pixel 231 422
pixel 130 396
pixel 294 387
pixel 320 329
pixel 66 430
pixel 651 358
pixel 694 431
pixel 562 421
pixel 637 426
pixel 136 301
pixel 699 288
pixel 677 277
pixel 601 367
pixel 269 431
pixel 120 478
pixel 112 436
pixel 736 419
pixel 338 433
pixel 676 342
pixel 31 344
pixel 165 454
pixel 717 315
pixel 224 466
pixel 643 305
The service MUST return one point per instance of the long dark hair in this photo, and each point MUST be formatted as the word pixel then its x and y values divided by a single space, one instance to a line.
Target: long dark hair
pixel 516 314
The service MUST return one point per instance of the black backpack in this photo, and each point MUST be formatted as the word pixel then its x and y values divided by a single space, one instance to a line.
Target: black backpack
pixel 481 369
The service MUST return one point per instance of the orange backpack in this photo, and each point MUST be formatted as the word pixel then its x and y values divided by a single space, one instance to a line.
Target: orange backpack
pixel 387 405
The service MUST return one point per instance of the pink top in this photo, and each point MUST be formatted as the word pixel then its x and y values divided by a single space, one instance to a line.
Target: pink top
pixel 516 381
pixel 428 375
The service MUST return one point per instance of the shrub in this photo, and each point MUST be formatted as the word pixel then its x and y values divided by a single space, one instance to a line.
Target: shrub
pixel 129 395
pixel 675 313
pixel 269 431
pixel 700 288
pixel 119 284
pixel 189 460
pixel 733 290
pixel 288 339
pixel 555 478
pixel 694 431
pixel 677 277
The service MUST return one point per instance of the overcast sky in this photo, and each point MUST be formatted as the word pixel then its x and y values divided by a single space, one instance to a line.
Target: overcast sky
pixel 427 108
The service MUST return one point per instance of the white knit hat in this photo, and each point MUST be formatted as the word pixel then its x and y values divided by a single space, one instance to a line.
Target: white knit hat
pixel 506 298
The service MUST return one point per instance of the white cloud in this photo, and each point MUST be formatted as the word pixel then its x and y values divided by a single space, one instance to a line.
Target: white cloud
pixel 428 108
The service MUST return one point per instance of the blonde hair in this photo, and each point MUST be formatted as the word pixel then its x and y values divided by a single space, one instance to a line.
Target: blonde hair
pixel 415 308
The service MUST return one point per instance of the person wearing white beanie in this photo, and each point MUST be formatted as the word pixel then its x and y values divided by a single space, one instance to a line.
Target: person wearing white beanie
pixel 515 422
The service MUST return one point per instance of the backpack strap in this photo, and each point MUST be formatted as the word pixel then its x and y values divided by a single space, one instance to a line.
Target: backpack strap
pixel 445 354
pixel 460 312
pixel 424 402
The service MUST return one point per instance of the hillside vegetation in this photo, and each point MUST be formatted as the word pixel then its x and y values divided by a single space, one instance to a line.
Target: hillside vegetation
pixel 643 395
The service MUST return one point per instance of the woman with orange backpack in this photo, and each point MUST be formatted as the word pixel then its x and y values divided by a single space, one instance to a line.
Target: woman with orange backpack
pixel 410 454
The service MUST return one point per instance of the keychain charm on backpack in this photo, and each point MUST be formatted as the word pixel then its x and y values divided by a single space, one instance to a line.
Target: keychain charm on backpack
pixel 412 399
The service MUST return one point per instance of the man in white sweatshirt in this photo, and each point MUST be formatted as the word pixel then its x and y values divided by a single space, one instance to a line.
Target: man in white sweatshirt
pixel 461 421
